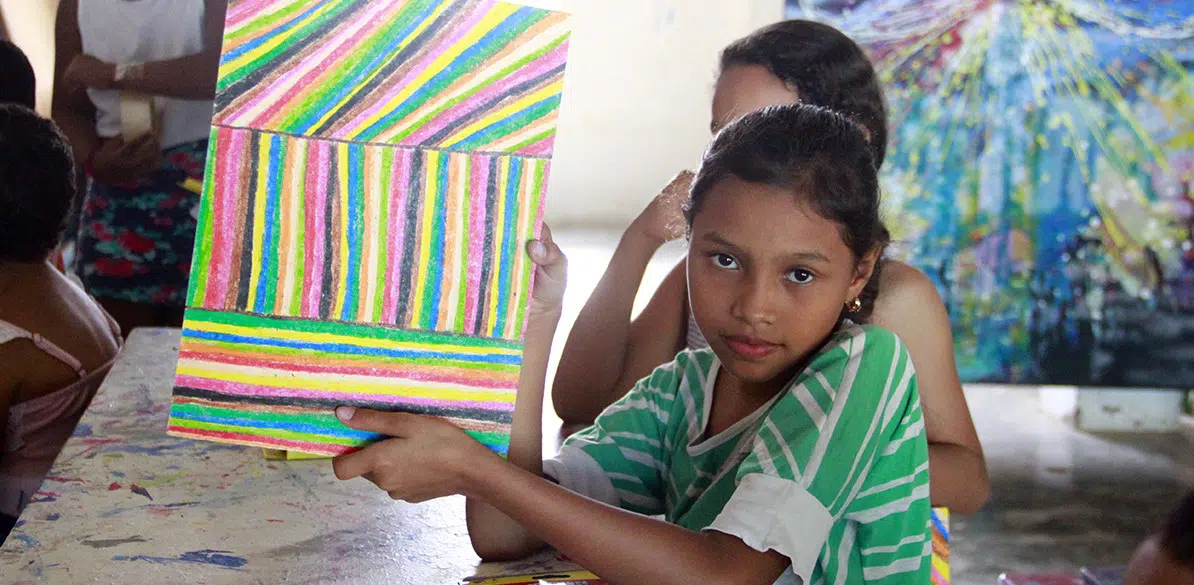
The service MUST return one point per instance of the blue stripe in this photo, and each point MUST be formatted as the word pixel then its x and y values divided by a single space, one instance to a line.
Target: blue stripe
pixel 296 427
pixel 508 247
pixel 516 120
pixel 347 349
pixel 356 167
pixel 940 525
pixel 253 44
pixel 272 189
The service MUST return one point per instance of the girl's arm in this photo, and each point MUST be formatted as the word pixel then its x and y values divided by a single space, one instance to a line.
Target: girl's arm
pixel 71 109
pixel 189 77
pixel 605 352
pixel 910 306
pixel 622 547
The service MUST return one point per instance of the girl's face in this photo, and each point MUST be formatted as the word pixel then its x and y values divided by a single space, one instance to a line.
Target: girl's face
pixel 767 279
pixel 743 89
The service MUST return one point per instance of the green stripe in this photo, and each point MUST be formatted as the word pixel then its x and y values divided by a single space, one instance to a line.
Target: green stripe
pixel 463 239
pixel 312 418
pixel 201 258
pixel 497 130
pixel 480 86
pixel 533 139
pixel 529 231
pixel 300 263
pixel 279 181
pixel 268 20
pixel 275 433
pixel 350 329
pixel 383 231
pixel 490 438
pixel 315 355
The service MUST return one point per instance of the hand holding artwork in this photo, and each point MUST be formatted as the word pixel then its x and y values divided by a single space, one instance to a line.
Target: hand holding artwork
pixel 426 458
pixel 551 275
pixel 663 219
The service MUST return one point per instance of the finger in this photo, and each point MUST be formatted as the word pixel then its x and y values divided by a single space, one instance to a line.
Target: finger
pixel 549 257
pixel 357 464
pixel 392 424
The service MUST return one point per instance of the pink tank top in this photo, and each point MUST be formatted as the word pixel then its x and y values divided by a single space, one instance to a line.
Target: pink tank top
pixel 38 428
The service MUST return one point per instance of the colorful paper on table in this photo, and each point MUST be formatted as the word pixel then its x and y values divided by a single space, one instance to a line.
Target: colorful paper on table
pixel 375 168
pixel 939 517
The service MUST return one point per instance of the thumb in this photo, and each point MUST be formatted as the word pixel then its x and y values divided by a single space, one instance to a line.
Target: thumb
pixel 548 257
pixel 391 424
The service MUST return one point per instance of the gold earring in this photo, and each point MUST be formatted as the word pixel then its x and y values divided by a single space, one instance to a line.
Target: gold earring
pixel 854 306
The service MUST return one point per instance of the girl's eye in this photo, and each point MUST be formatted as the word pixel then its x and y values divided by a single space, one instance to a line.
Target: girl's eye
pixel 800 276
pixel 725 261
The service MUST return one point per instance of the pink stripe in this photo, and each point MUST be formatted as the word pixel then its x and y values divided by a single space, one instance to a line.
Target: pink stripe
pixel 331 49
pixel 425 57
pixel 398 190
pixel 476 225
pixel 230 154
pixel 453 115
pixel 539 148
pixel 238 389
pixel 239 11
pixel 316 227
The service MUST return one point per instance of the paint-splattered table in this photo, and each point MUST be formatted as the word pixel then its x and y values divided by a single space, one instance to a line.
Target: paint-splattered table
pixel 125 503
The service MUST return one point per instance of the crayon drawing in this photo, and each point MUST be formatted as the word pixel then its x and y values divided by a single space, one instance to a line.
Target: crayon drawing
pixel 376 168
pixel 1041 172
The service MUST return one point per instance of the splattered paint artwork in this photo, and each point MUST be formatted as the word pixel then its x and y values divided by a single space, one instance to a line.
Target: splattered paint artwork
pixel 1041 172
pixel 376 168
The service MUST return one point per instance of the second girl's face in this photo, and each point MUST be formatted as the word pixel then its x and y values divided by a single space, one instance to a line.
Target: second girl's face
pixel 743 89
pixel 767 279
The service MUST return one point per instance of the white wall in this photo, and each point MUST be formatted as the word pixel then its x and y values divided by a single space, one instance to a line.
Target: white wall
pixel 636 99
pixel 31 26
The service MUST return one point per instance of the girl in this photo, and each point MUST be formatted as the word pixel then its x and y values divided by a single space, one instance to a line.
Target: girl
pixel 136 230
pixel 607 352
pixel 56 344
pixel 791 448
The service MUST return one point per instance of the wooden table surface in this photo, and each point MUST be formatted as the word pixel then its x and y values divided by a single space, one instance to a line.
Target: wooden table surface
pixel 125 503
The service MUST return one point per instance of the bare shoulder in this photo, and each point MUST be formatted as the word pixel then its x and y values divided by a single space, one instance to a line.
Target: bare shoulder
pixel 905 295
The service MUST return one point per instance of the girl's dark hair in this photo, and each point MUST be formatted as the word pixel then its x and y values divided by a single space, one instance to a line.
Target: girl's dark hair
pixel 20 85
pixel 821 156
pixel 37 184
pixel 1177 538
pixel 825 68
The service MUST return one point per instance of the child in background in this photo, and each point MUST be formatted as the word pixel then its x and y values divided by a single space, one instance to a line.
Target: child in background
pixel 20 85
pixel 56 343
pixel 795 61
pixel 790 450
pixel 1167 558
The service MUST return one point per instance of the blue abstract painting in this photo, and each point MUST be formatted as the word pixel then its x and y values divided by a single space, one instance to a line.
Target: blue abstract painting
pixel 1041 172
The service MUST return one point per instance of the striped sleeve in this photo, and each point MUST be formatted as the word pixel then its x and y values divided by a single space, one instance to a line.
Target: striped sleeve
pixel 815 453
pixel 620 460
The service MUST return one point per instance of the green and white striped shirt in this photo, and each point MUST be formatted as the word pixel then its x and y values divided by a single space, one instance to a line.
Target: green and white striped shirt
pixel 832 472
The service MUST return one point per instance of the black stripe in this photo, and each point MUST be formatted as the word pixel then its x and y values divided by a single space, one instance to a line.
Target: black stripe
pixel 231 400
pixel 484 109
pixel 486 246
pixel 406 270
pixel 325 296
pixel 246 253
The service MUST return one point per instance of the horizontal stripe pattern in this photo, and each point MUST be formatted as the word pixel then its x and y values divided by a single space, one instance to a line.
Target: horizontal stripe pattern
pixel 275 382
pixel 424 240
pixel 475 75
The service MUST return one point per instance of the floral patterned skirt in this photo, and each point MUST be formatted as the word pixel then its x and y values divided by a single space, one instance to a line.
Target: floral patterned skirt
pixel 135 241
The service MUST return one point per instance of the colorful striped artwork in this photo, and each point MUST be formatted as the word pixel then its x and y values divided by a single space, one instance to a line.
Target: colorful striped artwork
pixel 375 169
pixel 939 517
pixel 459 75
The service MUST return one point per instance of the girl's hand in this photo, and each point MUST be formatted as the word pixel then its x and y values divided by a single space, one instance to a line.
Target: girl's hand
pixel 663 219
pixel 426 459
pixel 87 71
pixel 551 275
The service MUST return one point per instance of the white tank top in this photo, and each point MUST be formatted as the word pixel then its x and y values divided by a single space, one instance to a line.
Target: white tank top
pixel 138 31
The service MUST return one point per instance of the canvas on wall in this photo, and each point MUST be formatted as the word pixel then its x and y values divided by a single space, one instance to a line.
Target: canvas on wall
pixel 1040 171
pixel 375 168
